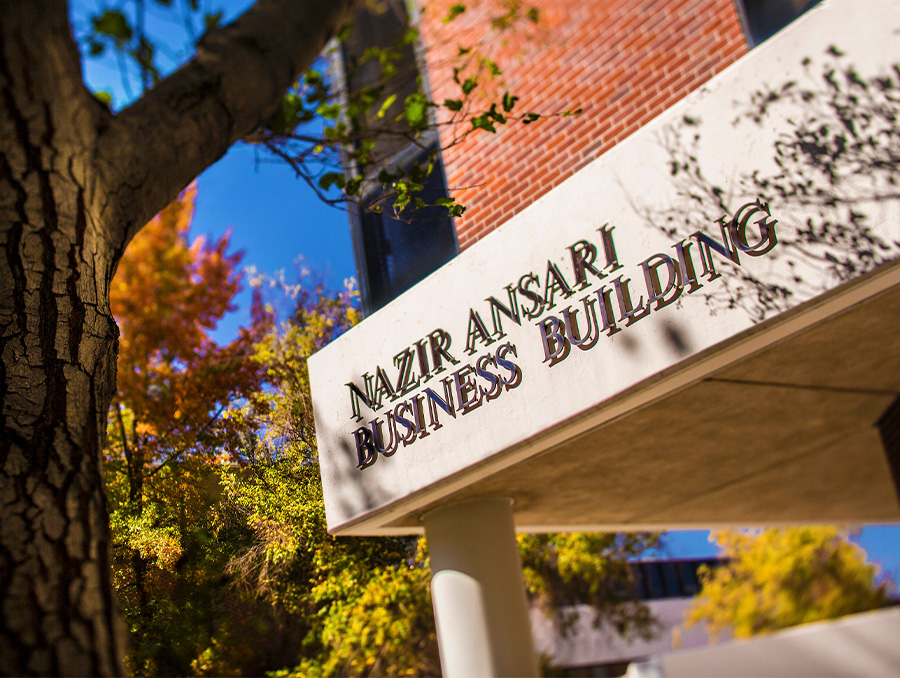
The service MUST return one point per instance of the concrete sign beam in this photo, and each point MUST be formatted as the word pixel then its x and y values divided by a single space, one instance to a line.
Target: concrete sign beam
pixel 698 328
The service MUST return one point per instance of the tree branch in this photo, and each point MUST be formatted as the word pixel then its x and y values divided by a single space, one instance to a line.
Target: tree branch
pixel 40 54
pixel 231 87
pixel 41 82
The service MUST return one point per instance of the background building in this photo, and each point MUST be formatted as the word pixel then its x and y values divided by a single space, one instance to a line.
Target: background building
pixel 586 650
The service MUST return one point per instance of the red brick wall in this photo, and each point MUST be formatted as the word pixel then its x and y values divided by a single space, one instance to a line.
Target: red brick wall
pixel 622 61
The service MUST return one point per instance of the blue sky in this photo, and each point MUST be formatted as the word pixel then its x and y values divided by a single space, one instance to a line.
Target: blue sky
pixel 275 219
pixel 279 224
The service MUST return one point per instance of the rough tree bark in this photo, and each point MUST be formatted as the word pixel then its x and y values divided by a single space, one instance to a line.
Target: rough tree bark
pixel 76 184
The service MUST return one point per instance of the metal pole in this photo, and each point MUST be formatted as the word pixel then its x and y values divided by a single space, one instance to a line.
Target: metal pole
pixel 480 606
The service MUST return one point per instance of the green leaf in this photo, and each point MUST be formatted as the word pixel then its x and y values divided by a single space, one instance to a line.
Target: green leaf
pixel 353 186
pixel 292 114
pixel 213 19
pixel 469 85
pixel 344 32
pixel 104 97
pixel 329 111
pixel 386 105
pixel 509 101
pixel 386 177
pixel 95 48
pixel 291 103
pixel 415 107
pixel 453 104
pixel 494 114
pixel 453 12
pixel 114 24
pixel 329 179
pixel 416 174
pixel 529 118
pixel 313 78
pixel 533 14
pixel 410 36
pixel 401 202
pixel 456 210
pixel 367 96
pixel 369 54
pixel 483 122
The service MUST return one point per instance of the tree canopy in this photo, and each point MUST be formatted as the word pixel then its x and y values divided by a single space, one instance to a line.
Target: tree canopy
pixel 221 557
pixel 167 433
pixel 773 579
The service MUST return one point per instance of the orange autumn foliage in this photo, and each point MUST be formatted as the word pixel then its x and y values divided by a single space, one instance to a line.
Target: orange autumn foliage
pixel 166 296
pixel 169 429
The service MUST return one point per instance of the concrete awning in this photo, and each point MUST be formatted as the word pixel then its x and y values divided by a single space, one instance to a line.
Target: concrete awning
pixel 757 223
pixel 786 434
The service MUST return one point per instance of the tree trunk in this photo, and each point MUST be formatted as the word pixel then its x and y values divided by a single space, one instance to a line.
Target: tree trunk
pixel 57 362
pixel 76 184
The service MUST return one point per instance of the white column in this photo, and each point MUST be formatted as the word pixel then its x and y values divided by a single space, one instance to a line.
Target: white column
pixel 480 606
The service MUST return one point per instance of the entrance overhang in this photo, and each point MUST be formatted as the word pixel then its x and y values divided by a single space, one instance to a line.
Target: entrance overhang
pixel 782 427
pixel 698 329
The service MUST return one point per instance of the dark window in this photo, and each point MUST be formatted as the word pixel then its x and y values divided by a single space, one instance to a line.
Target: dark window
pixel 392 255
pixel 382 25
pixel 764 18
pixel 670 580
pixel 689 583
pixel 654 581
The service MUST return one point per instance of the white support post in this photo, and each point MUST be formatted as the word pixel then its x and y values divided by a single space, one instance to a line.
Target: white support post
pixel 480 606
